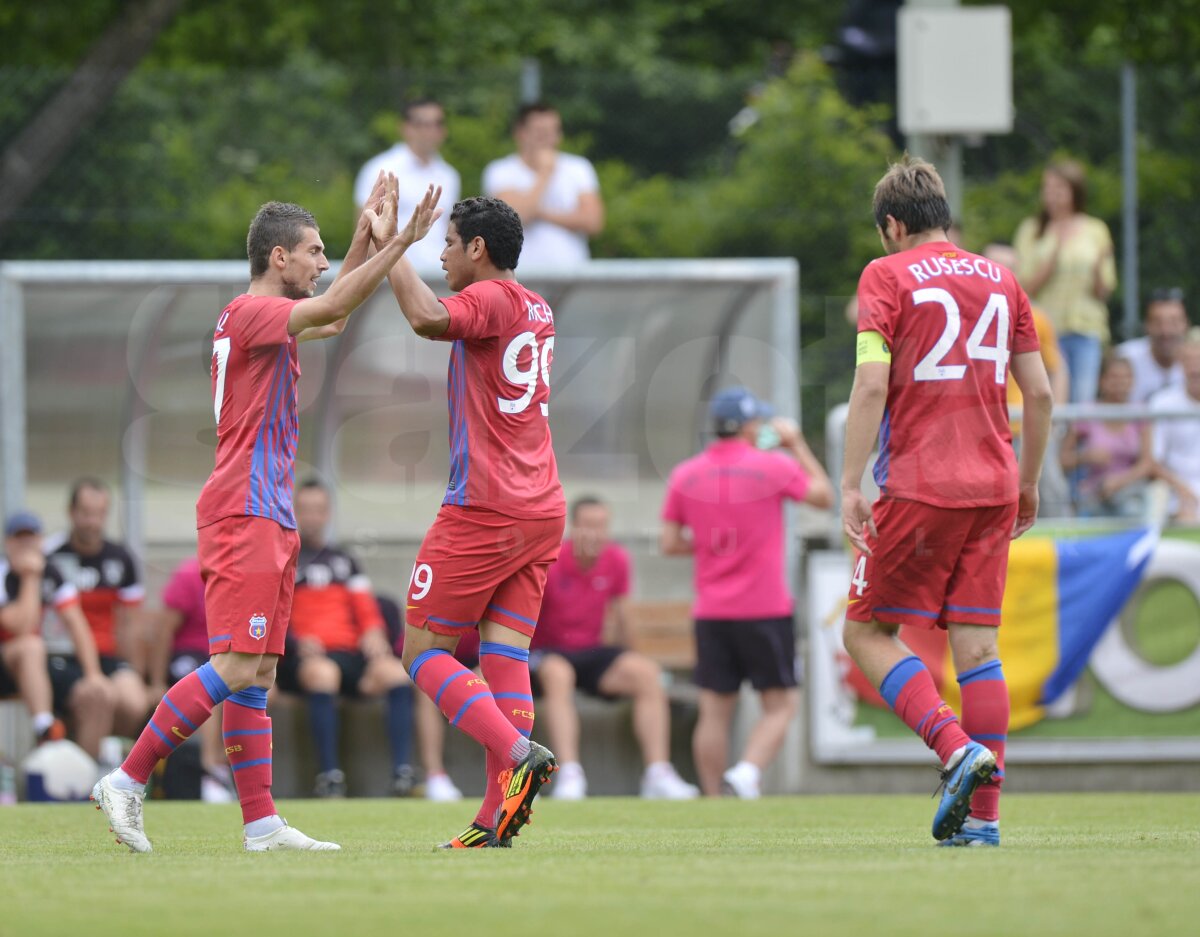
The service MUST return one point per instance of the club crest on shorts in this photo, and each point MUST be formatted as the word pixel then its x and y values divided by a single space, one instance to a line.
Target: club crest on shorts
pixel 258 626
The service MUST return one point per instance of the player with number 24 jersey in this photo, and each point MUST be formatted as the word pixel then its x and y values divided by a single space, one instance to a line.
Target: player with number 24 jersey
pixel 951 320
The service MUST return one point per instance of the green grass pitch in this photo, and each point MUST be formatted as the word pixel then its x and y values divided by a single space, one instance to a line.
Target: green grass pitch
pixel 1091 864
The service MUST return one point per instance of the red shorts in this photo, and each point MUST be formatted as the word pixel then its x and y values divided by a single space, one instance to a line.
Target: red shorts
pixel 475 564
pixel 933 565
pixel 249 569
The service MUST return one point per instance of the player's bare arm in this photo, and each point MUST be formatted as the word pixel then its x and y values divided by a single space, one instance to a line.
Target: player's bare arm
pixel 867 401
pixel 352 290
pixel 374 226
pixel 81 637
pixel 1029 372
pixel 417 301
pixel 24 615
pixel 674 540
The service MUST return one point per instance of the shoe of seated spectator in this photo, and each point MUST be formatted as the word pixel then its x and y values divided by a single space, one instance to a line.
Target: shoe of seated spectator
pixel 214 790
pixel 742 782
pixel 439 788
pixel 662 782
pixel 330 784
pixel 404 781
pixel 55 732
pixel 571 783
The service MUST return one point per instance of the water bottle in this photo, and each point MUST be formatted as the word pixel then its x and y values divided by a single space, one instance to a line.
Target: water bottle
pixel 8 783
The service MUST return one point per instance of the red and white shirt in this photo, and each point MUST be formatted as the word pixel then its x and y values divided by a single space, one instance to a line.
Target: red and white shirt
pixel 106 581
pixel 254 373
pixel 952 320
pixel 498 387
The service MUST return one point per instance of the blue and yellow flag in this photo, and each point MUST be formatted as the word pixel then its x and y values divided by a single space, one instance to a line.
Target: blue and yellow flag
pixel 1061 597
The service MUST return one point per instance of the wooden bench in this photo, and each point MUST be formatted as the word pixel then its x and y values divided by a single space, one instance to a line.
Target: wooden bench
pixel 662 629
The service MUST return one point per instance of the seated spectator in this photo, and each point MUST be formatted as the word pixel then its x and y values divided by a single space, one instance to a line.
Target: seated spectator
pixel 573 649
pixel 29 586
pixel 178 642
pixel 1177 442
pixel 110 595
pixel 556 194
pixel 22 650
pixel 1155 356
pixel 431 724
pixel 337 645
pixel 1111 459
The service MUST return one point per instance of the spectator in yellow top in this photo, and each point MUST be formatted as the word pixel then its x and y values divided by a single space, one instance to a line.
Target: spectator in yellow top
pixel 1065 262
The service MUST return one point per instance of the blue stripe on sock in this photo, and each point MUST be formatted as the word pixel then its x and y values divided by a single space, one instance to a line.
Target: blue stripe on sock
pixel 235 732
pixel 421 660
pixel 504 650
pixel 175 709
pixel 250 764
pixel 437 699
pixel 989 671
pixel 217 690
pixel 989 737
pixel 467 705
pixel 897 678
pixel 932 732
pixel 924 719
pixel 526 732
pixel 524 696
pixel 253 697
pixel 161 735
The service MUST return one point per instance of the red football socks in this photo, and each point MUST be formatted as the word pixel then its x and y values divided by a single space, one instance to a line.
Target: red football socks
pixel 182 710
pixel 910 692
pixel 985 718
pixel 507 671
pixel 246 729
pixel 466 701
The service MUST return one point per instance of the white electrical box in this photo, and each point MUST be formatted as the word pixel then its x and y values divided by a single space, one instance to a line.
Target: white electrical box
pixel 954 70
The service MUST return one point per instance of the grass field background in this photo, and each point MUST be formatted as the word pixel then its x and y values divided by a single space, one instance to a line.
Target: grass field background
pixel 1089 865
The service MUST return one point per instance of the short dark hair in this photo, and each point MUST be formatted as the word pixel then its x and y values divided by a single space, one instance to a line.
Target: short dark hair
pixel 494 221
pixel 277 224
pixel 86 482
pixel 310 483
pixel 1166 294
pixel 912 192
pixel 585 501
pixel 525 111
pixel 413 103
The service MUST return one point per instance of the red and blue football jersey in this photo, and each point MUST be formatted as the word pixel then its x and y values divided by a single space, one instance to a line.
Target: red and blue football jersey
pixel 498 386
pixel 952 320
pixel 254 373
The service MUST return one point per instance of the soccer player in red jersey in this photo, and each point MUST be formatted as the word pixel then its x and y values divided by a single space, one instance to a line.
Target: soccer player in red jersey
pixel 247 529
pixel 484 561
pixel 938 330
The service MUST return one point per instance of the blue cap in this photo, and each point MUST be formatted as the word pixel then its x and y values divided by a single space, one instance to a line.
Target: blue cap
pixel 736 406
pixel 22 522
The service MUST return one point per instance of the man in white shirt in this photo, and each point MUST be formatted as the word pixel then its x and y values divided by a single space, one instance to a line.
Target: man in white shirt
pixel 556 194
pixel 1177 441
pixel 1155 357
pixel 417 165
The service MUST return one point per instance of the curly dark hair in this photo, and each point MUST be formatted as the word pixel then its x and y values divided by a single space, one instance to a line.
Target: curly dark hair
pixel 494 221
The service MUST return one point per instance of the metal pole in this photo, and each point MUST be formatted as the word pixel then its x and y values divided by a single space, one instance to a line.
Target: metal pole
pixel 531 81
pixel 12 393
pixel 1129 200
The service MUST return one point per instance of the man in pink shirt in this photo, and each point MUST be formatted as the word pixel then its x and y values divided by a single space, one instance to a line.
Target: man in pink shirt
pixel 725 508
pixel 582 642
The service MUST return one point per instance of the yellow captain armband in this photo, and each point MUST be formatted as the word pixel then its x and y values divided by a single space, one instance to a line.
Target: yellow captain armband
pixel 872 347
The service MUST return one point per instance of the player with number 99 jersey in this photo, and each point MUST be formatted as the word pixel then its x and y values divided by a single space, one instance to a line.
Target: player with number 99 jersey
pixel 951 320
pixel 499 395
